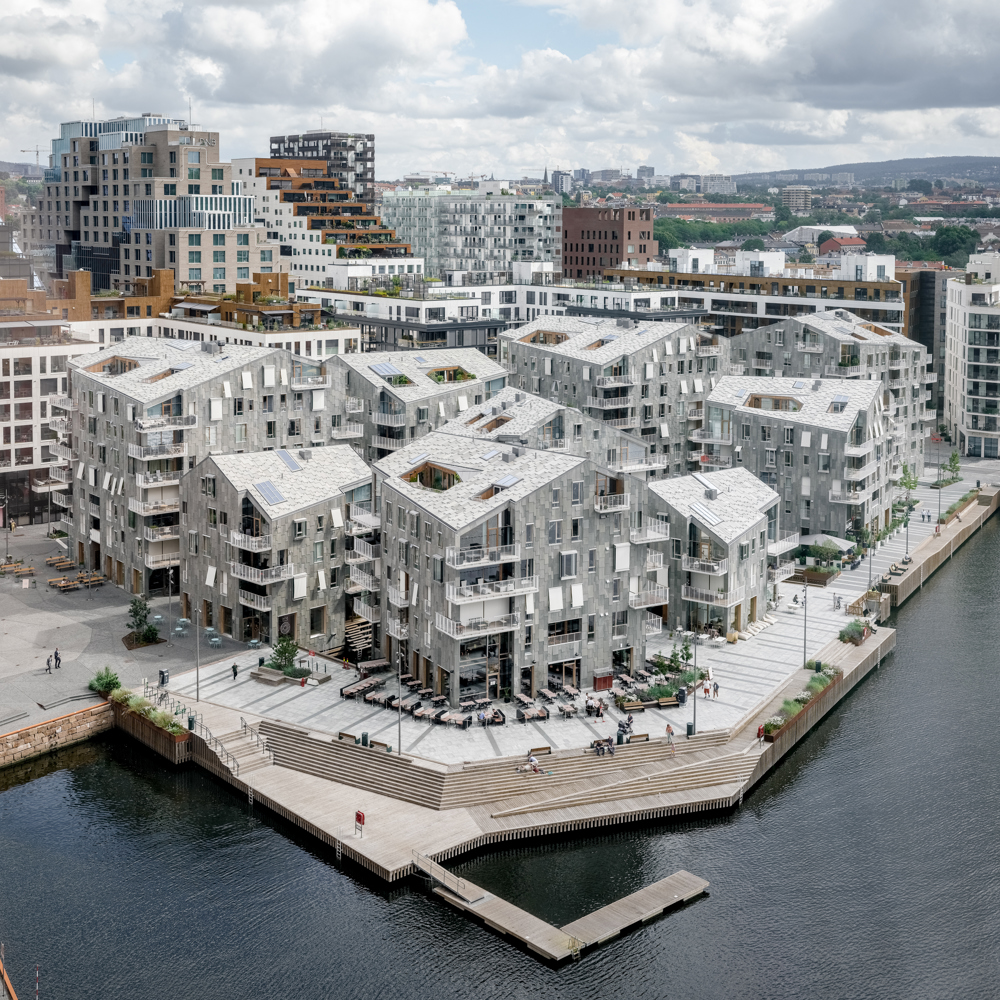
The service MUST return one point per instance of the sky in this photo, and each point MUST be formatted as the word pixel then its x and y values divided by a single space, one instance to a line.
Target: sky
pixel 510 87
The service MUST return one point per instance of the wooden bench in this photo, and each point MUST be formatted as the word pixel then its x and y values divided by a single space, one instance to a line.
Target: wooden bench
pixel 597 745
pixel 348 737
pixel 9 565
pixel 633 706
pixel 24 571
pixel 669 703
pixel 56 580
pixel 535 751
pixel 52 560
pixel 379 745
pixel 67 585
pixel 639 738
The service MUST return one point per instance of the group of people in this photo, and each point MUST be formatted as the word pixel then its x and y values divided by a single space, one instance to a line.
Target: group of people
pixel 714 689
pixel 53 658
pixel 490 718
pixel 594 706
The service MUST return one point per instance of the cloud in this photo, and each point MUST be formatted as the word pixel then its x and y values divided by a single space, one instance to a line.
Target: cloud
pixel 725 85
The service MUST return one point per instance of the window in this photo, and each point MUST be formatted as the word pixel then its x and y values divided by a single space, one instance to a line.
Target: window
pixel 218 273
pixel 577 527
pixel 317 551
pixel 218 239
pixel 616 589
pixel 194 173
pixel 218 256
pixel 591 623
pixel 592 561
pixel 555 532
pixel 577 494
pixel 555 496
pixel 170 189
pixel 213 517
pixel 529 535
pixel 567 565
pixel 217 174
pixel 265 256
pixel 243 239
pixel 194 256
pixel 194 239
pixel 208 486
pixel 300 529
pixel 242 273
pixel 242 256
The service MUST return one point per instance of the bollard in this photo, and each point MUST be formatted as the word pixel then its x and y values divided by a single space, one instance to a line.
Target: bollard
pixel 364 739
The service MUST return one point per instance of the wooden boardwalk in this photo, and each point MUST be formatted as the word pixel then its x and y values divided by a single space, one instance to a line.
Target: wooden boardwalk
pixel 557 944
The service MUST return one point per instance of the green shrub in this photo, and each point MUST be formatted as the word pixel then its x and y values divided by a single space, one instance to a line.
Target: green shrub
pixel 855 630
pixel 105 680
pixel 790 708
pixel 660 691
pixel 297 672
pixel 150 633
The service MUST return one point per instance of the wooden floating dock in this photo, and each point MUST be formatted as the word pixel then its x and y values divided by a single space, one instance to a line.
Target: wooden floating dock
pixel 557 944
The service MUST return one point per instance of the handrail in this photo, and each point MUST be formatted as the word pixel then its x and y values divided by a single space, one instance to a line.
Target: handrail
pixel 206 734
pixel 258 739
pixel 432 868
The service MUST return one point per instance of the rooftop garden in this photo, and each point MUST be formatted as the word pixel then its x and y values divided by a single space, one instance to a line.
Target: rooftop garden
pixel 432 477
pixel 455 374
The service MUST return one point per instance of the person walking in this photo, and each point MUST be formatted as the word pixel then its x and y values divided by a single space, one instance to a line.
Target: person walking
pixel 760 735
pixel 235 671
pixel 48 665
pixel 600 709
pixel 57 658
pixel 715 690
pixel 706 688
pixel 670 739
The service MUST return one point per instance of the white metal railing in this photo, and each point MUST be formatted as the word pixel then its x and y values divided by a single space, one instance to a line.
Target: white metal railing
pixel 719 461
pixel 652 624
pixel 467 593
pixel 782 571
pixel 720 598
pixel 651 531
pixel 310 381
pixel 642 464
pixel 619 422
pixel 648 595
pixel 697 413
pixel 348 430
pixel 95 509
pixel 397 629
pixel 62 474
pixel 146 424
pixel 388 444
pixel 785 543
pixel 859 450
pixel 363 552
pixel 843 371
pixel 61 451
pixel 259 602
pixel 708 350
pixel 352 404
pixel 162 560
pixel 145 454
pixel 708 436
pixel 861 473
pixel 368 581
pixel 145 480
pixel 63 402
pixel 619 630
pixel 847 496
pixel 609 380
pixel 60 424
pixel 809 348
pixel 162 533
pixel 367 610
pixel 250 543
pixel 610 403
pixel 60 499
pixel 362 514
pixel 261 576
pixel 147 507
pixel 478 626
pixel 458 558
pixel 67 518
pixel 613 502
pixel 396 597
pixel 655 559
pixel 714 567
pixel 898 383
pixel 389 419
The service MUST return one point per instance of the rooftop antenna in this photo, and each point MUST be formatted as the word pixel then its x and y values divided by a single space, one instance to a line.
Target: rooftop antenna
pixel 189 111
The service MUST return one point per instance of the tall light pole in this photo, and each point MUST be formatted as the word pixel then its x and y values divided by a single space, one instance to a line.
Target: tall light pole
pixel 6 525
pixel 197 662
pixel 805 621
pixel 697 685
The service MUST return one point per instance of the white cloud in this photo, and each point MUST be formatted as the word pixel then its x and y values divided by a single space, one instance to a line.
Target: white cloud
pixel 683 84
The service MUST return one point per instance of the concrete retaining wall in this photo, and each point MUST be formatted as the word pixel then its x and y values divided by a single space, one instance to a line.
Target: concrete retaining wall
pixel 33 741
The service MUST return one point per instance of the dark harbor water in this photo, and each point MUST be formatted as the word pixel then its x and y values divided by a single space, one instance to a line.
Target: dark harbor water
pixel 866 865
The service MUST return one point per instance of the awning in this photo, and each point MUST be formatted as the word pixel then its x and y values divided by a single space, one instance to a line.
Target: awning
pixel 277 312
pixel 198 306
pixel 841 543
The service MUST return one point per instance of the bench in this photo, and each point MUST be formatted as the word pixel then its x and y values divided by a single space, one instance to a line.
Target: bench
pixel 601 747
pixel 639 738
pixel 633 706
pixel 535 751
pixel 52 560
pixel 9 565
pixel 347 737
pixel 669 703
pixel 24 571
pixel 378 745
pixel 67 585
pixel 56 580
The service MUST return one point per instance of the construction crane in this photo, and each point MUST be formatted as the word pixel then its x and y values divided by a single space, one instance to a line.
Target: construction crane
pixel 37 150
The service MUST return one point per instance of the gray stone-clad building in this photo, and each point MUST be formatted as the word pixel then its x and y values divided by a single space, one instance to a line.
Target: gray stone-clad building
pixel 649 378
pixel 146 411
pixel 511 568
pixel 263 544
pixel 822 444
pixel 386 399
pixel 722 526
pixel 839 344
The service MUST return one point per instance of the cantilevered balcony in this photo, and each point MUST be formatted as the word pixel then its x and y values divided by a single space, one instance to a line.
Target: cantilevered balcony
pixel 478 626
pixel 612 502
pixel 648 595
pixel 714 567
pixel 250 543
pixel 258 602
pixel 717 598
pixel 459 558
pixel 470 593
pixel 156 451
pixel 254 574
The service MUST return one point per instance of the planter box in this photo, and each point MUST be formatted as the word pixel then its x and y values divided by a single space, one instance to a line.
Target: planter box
pixel 971 502
pixel 798 717
pixel 815 579
pixel 174 747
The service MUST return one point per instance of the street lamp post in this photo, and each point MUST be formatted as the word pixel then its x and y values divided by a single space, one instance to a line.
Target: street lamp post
pixel 6 527
pixel 805 621
pixel 694 721
pixel 197 648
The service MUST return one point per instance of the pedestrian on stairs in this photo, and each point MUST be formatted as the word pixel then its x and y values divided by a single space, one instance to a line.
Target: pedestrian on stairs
pixel 670 739
pixel 235 671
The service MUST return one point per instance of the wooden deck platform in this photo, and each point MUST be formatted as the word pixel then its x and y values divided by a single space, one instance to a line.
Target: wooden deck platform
pixel 557 944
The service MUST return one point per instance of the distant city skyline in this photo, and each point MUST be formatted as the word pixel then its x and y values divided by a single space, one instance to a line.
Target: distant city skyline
pixel 513 87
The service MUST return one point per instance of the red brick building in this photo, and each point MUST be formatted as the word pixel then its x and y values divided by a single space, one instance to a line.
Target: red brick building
pixel 596 238
pixel 838 244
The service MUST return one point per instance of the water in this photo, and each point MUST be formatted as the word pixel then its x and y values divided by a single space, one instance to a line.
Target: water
pixel 866 865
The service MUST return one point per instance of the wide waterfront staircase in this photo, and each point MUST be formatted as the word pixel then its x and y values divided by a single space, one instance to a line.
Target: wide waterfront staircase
pixel 570 778
pixel 241 751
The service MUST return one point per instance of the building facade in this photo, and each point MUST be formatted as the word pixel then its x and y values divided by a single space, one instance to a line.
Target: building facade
pixel 596 238
pixel 349 156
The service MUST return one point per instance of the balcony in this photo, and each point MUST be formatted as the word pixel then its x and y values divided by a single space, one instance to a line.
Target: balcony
pixel 262 577
pixel 612 502
pixel 250 543
pixel 95 537
pixel 301 382
pixel 366 581
pixel 385 419
pixel 162 561
pixel 654 560
pixel 388 444
pixel 149 479
pixel 848 496
pixel 61 451
pixel 563 647
pixel 397 598
pixel 651 531
pixel 898 383
pixel 61 425
pixel 707 436
pixel 619 631
pixel 478 626
pixel 345 431
pixel 148 507
pixel 259 602
pixel 642 464
pixel 652 624
pixel 60 499
pixel 716 461
pixel 162 533
pixel 363 552
pixel 775 574
pixel 354 405
pixel 696 413
pixel 714 567
pixel 145 454
pixel 708 350
pixel 62 402
pixel 648 596
pixel 612 380
pixel 146 424
pixel 621 422
pixel 95 509
pixel 469 593
pixel 67 519
pixel 808 348
pixel 397 629
pixel 458 558
pixel 366 609
pixel 859 450
pixel 857 475
pixel 609 402
pixel 789 540
pixel 717 598
pixel 843 371
pixel 361 513
pixel 60 474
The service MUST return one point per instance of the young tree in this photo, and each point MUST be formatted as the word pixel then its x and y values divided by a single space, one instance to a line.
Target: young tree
pixel 908 481
pixel 138 615
pixel 284 653
pixel 954 466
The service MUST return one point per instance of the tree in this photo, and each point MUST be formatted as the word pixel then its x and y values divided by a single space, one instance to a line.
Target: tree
pixel 823 237
pixel 805 257
pixel 873 215
pixel 877 243
pixel 782 214
pixel 755 243
pixel 924 187
pixel 908 480
pixel 954 465
pixel 284 653
pixel 939 184
pixel 138 614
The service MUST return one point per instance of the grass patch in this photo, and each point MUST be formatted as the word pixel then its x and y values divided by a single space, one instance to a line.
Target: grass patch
pixel 141 706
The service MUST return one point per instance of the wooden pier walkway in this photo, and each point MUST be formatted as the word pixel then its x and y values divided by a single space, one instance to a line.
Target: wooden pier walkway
pixel 557 944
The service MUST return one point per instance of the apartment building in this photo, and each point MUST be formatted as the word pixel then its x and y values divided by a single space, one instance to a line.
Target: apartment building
pixel 349 156
pixel 650 378
pixel 507 569
pixel 483 231
pixel 838 344
pixel 972 360
pixel 145 412
pixel 721 525
pixel 37 348
pixel 825 445
pixel 389 398
pixel 262 538
pixel 797 197
pixel 596 238
pixel 756 288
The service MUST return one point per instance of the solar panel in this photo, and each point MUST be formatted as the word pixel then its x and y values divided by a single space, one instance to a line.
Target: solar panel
pixel 705 514
pixel 841 399
pixel 490 454
pixel 704 482
pixel 423 456
pixel 799 385
pixel 293 466
pixel 507 482
pixel 269 492
pixel 385 368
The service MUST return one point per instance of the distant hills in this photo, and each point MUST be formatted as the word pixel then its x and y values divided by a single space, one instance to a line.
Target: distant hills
pixel 984 169
pixel 28 169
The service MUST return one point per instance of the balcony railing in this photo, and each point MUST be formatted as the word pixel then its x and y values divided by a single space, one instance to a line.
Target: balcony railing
pixel 250 543
pixel 148 507
pixel 458 558
pixel 397 629
pixel 859 450
pixel 60 425
pixel 146 424
pixel 95 509
pixel 61 451
pixel 67 518
pixel 348 430
pixel 162 560
pixel 363 552
pixel 478 626
pixel 367 581
pixel 397 598
pixel 63 402
pixel 641 464
pixel 649 595
pixel 352 404
pixel 847 496
pixel 388 444
pixel 861 473
pixel 610 402
pixel 254 574
pixel 714 567
pixel 716 460
pixel 652 624
pixel 708 350
pixel 61 474
pixel 299 382
pixel 162 533
pixel 651 531
pixel 144 480
pixel 60 499
pixel 810 348
pixel 145 454
pixel 696 413
pixel 719 598
pixel 775 574
pixel 708 436
pixel 361 513
pixel 619 422
pixel 468 593
pixel 785 543
pixel 389 419
pixel 259 602
pixel 366 609
pixel 563 647
pixel 612 502
pixel 610 380
pixel 654 560
pixel 843 371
